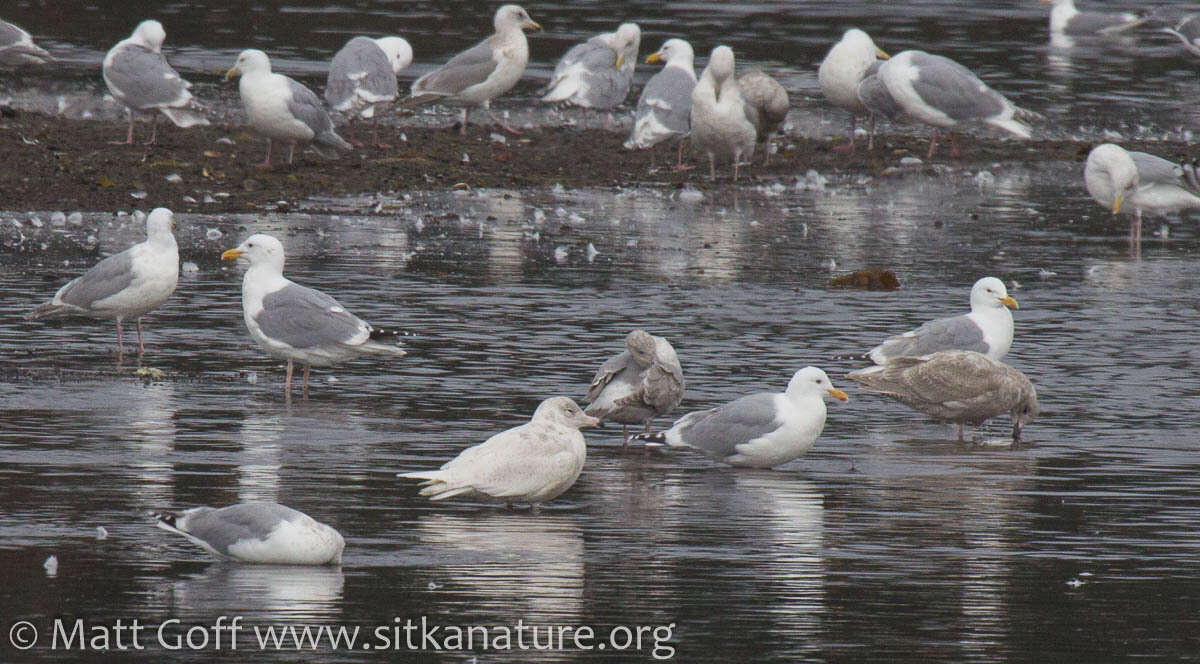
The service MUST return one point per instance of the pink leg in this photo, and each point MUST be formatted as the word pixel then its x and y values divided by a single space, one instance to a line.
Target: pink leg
pixel 129 136
pixel 712 167
pixel 849 147
pixel 954 145
pixel 307 368
pixel 120 342
pixel 291 153
pixel 153 130
pixel 141 348
pixel 679 160
pixel 287 381
pixel 466 117
pixel 266 163
pixel 737 161
pixel 352 138
pixel 932 144
pixel 497 120
pixel 375 134
pixel 871 136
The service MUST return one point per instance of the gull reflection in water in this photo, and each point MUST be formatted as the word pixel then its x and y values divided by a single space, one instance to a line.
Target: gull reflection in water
pixel 285 592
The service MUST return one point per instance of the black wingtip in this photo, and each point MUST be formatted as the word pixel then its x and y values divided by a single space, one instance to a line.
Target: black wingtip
pixel 167 518
pixel 384 333
pixel 659 438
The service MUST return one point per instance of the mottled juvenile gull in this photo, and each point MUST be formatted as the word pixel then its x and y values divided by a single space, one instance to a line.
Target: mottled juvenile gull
pixel 597 73
pixel 988 329
pixel 257 532
pixel 139 77
pixel 296 323
pixel 1067 20
pixel 843 68
pixel 720 128
pixel 1187 30
pixel 664 108
pixel 637 385
pixel 124 285
pixel 362 76
pixel 282 109
pixel 760 430
pixel 766 104
pixel 960 386
pixel 17 47
pixel 484 71
pixel 532 463
pixel 940 92
pixel 1117 178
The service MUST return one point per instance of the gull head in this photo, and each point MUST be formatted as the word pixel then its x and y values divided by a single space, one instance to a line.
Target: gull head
pixel 398 51
pixel 672 50
pixel 1111 176
pixel 720 63
pixel 513 16
pixel 640 344
pixel 151 34
pixel 564 411
pixel 258 249
pixel 250 61
pixel 160 222
pixel 1024 413
pixel 813 381
pixel 989 292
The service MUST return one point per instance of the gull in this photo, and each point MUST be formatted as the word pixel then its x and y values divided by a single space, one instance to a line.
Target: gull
pixel 840 73
pixel 1066 19
pixel 257 532
pixel 17 47
pixel 597 73
pixel 1117 178
pixel 665 106
pixel 637 385
pixel 877 100
pixel 362 76
pixel 766 104
pixel 720 128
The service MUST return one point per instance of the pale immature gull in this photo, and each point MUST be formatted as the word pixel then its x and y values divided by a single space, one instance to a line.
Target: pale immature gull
pixel 282 109
pixel 295 323
pixel 597 73
pixel 1067 20
pixel 124 285
pixel 720 128
pixel 17 47
pixel 940 92
pixel 843 68
pixel 664 108
pixel 878 101
pixel 532 463
pixel 140 78
pixel 766 104
pixel 960 386
pixel 1187 30
pixel 257 532
pixel 363 75
pixel 1117 178
pixel 483 72
pixel 637 385
pixel 987 329
pixel 761 430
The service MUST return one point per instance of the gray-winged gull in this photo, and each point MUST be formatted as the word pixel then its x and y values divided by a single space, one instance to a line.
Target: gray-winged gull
pixel 1117 178
pixel 17 47
pixel 124 285
pixel 664 108
pixel 531 463
pixel 720 128
pixel 840 73
pixel 597 73
pixel 877 100
pixel 1066 19
pixel 987 329
pixel 257 532
pixel 960 386
pixel 638 384
pixel 940 92
pixel 362 76
pixel 483 72
pixel 296 323
pixel 139 77
pixel 282 109
pixel 766 104
pixel 1187 30
pixel 760 430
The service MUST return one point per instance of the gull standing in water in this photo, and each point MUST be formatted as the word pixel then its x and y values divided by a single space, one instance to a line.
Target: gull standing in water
pixel 638 384
pixel 840 73
pixel 257 532
pixel 1117 179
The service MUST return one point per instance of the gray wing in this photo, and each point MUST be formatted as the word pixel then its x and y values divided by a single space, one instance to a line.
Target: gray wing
pixel 222 528
pixel 108 277
pixel 875 96
pixel 1156 170
pixel 305 318
pixel 17 47
pixel 471 67
pixel 668 94
pixel 604 375
pixel 144 78
pixel 360 65
pixel 1087 23
pixel 306 107
pixel 591 53
pixel 720 430
pixel 767 97
pixel 956 333
pixel 953 89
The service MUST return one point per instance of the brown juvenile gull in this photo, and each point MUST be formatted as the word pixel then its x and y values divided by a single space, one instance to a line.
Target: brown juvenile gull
pixel 637 385
pixel 960 386
pixel 760 430
pixel 17 47
pixel 664 108
pixel 257 532
pixel 766 104
pixel 1066 19
pixel 597 73
pixel 296 323
pixel 720 128
pixel 531 463
pixel 843 68
pixel 282 109
pixel 139 77
pixel 124 285
pixel 362 76
pixel 1117 178
pixel 484 71
pixel 987 329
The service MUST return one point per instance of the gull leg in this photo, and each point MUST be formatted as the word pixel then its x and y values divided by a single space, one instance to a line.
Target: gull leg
pixel 141 348
pixel 624 436
pixel 960 432
pixel 307 369
pixel 848 147
pixel 266 163
pixel 932 144
pixel 954 145
pixel 871 135
pixel 291 153
pixel 287 382
pixel 462 129
pixel 153 130
pixel 495 118
pixel 712 167
pixel 375 134
pixel 120 342
pixel 129 136
pixel 679 160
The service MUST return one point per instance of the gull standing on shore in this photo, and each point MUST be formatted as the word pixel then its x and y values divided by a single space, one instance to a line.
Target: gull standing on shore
pixel 139 77
pixel 597 73
pixel 766 103
pixel 362 76
pixel 720 128
pixel 664 108
pixel 840 73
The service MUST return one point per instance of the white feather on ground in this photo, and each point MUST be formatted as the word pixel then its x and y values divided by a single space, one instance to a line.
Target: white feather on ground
pixel 139 77
pixel 257 532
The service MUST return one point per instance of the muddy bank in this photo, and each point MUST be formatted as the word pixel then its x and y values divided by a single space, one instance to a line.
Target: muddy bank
pixel 56 164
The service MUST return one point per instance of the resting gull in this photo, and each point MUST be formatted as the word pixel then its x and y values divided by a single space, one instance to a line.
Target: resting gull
pixel 664 108
pixel 597 73
pixel 296 323
pixel 940 92
pixel 362 76
pixel 987 329
pixel 1187 30
pixel 637 385
pixel 532 463
pixel 840 73
pixel 124 285
pixel 17 47
pixel 482 72
pixel 961 386
pixel 877 100
pixel 281 108
pixel 766 104
pixel 1065 19
pixel 139 77
pixel 1117 178
pixel 720 128
pixel 760 430
pixel 257 532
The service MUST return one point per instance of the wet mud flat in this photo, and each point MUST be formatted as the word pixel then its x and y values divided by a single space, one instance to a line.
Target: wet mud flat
pixel 51 163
